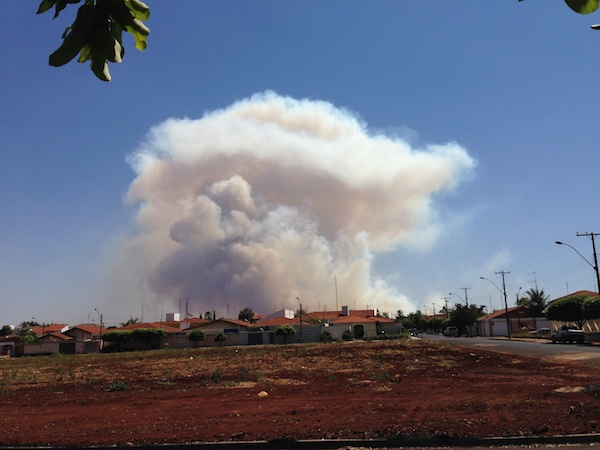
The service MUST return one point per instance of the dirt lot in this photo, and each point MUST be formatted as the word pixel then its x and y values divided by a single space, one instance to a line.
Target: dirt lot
pixel 358 390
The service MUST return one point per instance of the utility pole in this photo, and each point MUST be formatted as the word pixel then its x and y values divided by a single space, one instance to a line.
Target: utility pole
pixel 466 298
pixel 595 266
pixel 301 327
pixel 502 272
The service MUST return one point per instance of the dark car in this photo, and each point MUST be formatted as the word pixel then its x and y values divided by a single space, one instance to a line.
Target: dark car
pixel 451 331
pixel 568 334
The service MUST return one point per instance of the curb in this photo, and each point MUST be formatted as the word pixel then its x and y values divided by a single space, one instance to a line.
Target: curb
pixel 334 444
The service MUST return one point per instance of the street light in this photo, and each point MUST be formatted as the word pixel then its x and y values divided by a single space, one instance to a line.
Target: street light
pixel 452 293
pixel 100 343
pixel 595 267
pixel 505 303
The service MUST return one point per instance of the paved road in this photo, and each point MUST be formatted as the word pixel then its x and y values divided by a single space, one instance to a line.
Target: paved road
pixel 586 354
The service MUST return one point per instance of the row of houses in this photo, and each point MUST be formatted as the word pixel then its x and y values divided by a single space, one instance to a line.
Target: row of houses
pixel 87 338
pixel 515 319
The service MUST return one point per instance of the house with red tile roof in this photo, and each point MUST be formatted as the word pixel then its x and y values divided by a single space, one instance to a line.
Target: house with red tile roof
pixel 311 326
pixel 496 323
pixel 40 330
pixel 85 331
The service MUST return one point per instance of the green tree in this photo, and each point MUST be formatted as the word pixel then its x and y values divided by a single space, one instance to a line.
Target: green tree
pixel 435 323
pixel 247 315
pixel 96 34
pixel 147 335
pixel 535 302
pixel 591 308
pixel 399 315
pixel 6 330
pixel 463 316
pixel 208 315
pixel 221 338
pixel 24 329
pixel 285 330
pixel 131 321
pixel 415 320
pixel 196 335
pixel 569 309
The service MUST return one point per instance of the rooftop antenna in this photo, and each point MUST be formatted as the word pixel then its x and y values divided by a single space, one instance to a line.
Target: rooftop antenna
pixel 534 280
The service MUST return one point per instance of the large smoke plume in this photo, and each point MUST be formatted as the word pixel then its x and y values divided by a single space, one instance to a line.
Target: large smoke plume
pixel 274 199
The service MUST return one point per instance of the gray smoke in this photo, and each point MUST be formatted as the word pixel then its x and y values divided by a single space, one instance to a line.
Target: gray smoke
pixel 274 199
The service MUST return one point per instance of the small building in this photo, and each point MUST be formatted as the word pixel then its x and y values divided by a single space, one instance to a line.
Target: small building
pixel 496 323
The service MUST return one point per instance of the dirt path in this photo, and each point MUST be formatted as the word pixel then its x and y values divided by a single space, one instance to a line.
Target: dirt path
pixel 356 390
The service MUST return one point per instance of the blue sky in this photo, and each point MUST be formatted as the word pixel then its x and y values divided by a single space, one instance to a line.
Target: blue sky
pixel 512 84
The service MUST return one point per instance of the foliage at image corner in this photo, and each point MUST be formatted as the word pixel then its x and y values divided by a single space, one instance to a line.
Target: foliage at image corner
pixel 582 6
pixel 96 33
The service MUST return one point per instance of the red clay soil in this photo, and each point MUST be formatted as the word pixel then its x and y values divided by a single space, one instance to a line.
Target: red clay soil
pixel 356 390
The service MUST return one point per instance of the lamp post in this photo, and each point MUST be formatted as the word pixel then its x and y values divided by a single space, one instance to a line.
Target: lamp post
pixel 452 293
pixel 594 266
pixel 505 301
pixel 100 339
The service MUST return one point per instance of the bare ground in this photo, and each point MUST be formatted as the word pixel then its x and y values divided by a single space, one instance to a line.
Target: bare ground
pixel 358 390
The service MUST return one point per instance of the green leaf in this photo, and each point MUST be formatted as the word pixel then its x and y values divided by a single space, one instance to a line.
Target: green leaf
pixel 45 6
pixel 99 66
pixel 139 32
pixel 74 37
pixel 138 9
pixel 84 55
pixel 62 4
pixel 583 6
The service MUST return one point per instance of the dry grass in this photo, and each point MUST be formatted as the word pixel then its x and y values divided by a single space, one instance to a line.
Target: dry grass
pixel 235 364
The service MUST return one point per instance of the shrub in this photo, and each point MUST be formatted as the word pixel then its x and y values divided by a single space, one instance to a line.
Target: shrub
pixel 217 375
pixel 347 336
pixel 285 331
pixel 118 386
pixel 148 335
pixel 326 337
pixel 196 335
pixel 221 338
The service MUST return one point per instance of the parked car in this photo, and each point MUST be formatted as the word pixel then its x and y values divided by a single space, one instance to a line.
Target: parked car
pixel 541 332
pixel 568 334
pixel 451 331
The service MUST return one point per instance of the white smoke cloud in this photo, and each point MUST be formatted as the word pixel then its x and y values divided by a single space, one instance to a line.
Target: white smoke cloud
pixel 275 198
